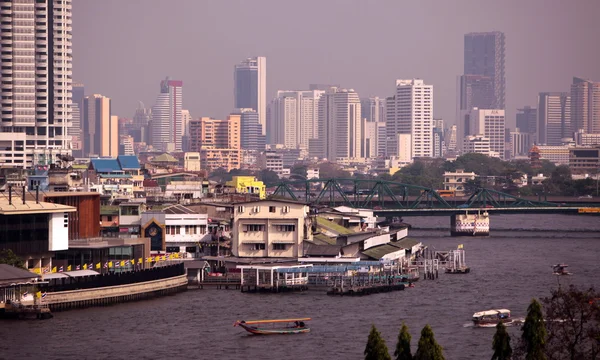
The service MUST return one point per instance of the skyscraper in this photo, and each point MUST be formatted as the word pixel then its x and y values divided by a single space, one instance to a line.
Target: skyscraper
pixel 410 111
pixel 293 118
pixel 585 106
pixel 75 130
pixel 100 129
pixel 167 120
pixel 251 137
pixel 484 56
pixel 554 118
pixel 527 119
pixel 219 142
pixel 250 87
pixel 491 124
pixel 35 81
pixel 339 126
pixel 373 109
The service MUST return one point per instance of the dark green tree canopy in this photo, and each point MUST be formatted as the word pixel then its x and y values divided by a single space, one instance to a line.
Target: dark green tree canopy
pixel 534 333
pixel 376 348
pixel 7 256
pixel 501 343
pixel 403 345
pixel 428 348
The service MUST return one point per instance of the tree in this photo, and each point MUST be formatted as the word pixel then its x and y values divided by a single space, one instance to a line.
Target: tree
pixel 428 348
pixel 501 343
pixel 7 256
pixel 376 348
pixel 534 333
pixel 573 323
pixel 269 177
pixel 403 345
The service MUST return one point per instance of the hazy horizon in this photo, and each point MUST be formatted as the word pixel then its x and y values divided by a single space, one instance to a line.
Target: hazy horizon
pixel 123 49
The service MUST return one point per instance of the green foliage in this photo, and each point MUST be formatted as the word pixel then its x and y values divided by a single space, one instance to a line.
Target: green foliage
pixel 7 256
pixel 376 348
pixel 534 333
pixel 403 345
pixel 501 343
pixel 573 323
pixel 269 177
pixel 330 170
pixel 428 348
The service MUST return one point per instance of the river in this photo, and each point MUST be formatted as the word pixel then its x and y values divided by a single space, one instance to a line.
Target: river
pixel 509 268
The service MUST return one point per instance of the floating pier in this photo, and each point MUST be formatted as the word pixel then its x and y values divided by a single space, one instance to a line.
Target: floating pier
pixel 365 290
pixel 456 263
pixel 19 311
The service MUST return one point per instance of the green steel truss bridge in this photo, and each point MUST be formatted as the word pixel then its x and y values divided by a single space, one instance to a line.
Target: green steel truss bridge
pixel 394 198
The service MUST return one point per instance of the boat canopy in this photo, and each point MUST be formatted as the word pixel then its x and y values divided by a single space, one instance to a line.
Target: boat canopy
pixel 491 312
pixel 274 321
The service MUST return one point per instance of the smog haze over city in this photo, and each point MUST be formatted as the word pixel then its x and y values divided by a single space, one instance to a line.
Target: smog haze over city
pixel 124 48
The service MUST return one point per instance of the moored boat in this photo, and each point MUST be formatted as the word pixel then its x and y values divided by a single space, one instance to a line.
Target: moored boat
pixel 560 269
pixel 277 326
pixel 491 317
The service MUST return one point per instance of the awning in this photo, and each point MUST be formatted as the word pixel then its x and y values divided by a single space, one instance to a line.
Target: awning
pixel 77 273
pixel 284 224
pixel 354 221
pixel 253 242
pixel 283 242
pixel 54 276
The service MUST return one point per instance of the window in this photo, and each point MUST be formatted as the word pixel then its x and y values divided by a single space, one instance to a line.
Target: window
pixel 255 228
pixel 190 230
pixel 257 246
pixel 271 209
pixel 191 249
pixel 108 217
pixel 286 228
pixel 278 246
pixel 172 249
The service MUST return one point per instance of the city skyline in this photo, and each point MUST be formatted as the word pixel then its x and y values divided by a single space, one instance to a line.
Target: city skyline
pixel 438 54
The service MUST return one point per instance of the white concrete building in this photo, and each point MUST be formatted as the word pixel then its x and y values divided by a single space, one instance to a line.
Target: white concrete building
pixel 250 87
pixel 455 181
pixel 373 134
pixel 167 119
pixel 559 155
pixel 404 151
pixel 35 80
pixel 294 118
pixel 519 143
pixel 491 124
pixel 410 111
pixel 477 144
pixel 185 120
pixel 191 161
pixel 340 125
pixel 271 160
pixel 312 173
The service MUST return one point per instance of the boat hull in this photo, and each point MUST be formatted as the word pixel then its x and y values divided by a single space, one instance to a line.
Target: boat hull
pixel 281 331
pixel 490 323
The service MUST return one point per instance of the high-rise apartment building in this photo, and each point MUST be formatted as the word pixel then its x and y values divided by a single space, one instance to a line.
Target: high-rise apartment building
pixel 250 87
pixel 439 143
pixel 373 133
pixel 219 142
pixel 373 109
pixel 35 81
pixel 585 106
pixel 75 130
pixel 251 137
pixel 484 56
pixel 451 135
pixel 100 129
pixel 520 143
pixel 167 119
pixel 491 124
pixel 554 118
pixel 339 126
pixel 410 111
pixel 293 118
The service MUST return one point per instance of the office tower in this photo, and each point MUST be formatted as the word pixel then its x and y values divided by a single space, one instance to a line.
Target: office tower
pixel 373 109
pixel 141 124
pixel 439 144
pixel 35 81
pixel 370 138
pixel 293 118
pixel 520 143
pixel 381 139
pixel 491 124
pixel 554 118
pixel 219 142
pixel 185 138
pixel 126 145
pixel 585 106
pixel 100 128
pixel 78 94
pixel 476 91
pixel 250 87
pixel 527 119
pixel 251 137
pixel 339 126
pixel 477 144
pixel 75 132
pixel 484 56
pixel 167 121
pixel 410 111
pixel 451 136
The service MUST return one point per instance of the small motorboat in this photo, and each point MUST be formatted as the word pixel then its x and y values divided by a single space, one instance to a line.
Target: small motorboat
pixel 491 317
pixel 560 269
pixel 262 327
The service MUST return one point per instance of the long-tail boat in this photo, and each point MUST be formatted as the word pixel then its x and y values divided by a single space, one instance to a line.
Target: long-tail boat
pixel 276 326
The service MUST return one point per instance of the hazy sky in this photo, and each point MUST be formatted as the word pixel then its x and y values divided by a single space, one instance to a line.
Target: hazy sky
pixel 124 48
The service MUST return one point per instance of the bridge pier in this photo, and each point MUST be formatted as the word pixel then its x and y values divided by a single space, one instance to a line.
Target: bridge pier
pixel 474 224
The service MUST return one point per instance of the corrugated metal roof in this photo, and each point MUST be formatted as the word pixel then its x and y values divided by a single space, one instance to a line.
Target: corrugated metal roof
pixel 406 243
pixel 330 225
pixel 129 162
pixel 321 250
pixel 178 209
pixel 380 251
pixel 322 239
pixel 106 165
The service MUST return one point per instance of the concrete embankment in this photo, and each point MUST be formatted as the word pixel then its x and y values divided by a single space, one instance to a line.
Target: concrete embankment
pixel 103 296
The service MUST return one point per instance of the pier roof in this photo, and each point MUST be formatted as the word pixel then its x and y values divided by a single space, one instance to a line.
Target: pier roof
pixel 10 274
pixel 322 250
pixel 378 252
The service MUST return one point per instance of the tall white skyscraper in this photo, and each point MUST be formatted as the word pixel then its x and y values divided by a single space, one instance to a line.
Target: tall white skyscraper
pixel 35 81
pixel 410 111
pixel 491 124
pixel 339 126
pixel 293 118
pixel 167 120
pixel 250 87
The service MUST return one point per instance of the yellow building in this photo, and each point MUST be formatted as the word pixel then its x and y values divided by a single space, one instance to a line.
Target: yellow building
pixel 248 185
pixel 270 229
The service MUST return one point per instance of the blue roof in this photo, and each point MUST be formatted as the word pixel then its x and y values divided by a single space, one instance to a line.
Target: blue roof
pixel 128 162
pixel 106 165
